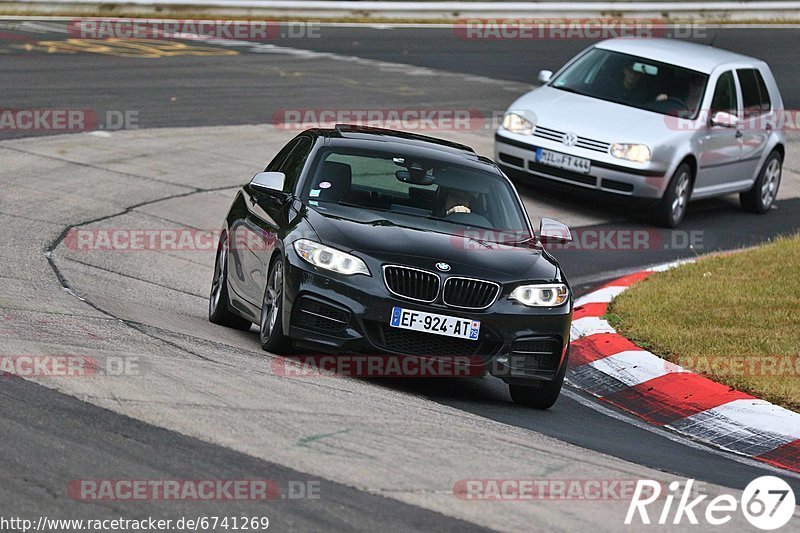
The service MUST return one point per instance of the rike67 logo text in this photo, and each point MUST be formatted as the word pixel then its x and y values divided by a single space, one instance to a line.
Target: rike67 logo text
pixel 767 503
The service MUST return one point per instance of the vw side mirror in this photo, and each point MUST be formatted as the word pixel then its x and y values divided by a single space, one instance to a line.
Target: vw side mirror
pixel 726 120
pixel 544 76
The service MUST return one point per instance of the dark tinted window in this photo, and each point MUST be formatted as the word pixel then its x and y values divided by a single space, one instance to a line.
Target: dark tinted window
pixel 412 192
pixel 755 97
pixel 766 103
pixel 725 95
pixel 634 81
pixel 276 162
pixel 293 164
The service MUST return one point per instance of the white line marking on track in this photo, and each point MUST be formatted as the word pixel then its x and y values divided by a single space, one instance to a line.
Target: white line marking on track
pixel 756 415
pixel 591 404
pixel 589 325
pixel 633 367
pixel 604 295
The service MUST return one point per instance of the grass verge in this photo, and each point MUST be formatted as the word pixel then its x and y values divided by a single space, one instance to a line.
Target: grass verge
pixel 734 318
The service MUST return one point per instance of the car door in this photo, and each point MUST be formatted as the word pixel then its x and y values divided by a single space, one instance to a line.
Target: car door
pixel 244 241
pixel 267 218
pixel 758 120
pixel 720 146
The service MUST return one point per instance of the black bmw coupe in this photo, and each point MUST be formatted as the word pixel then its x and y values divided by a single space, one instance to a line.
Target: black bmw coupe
pixel 358 240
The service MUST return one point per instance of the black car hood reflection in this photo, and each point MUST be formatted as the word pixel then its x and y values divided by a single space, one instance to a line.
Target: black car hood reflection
pixel 396 238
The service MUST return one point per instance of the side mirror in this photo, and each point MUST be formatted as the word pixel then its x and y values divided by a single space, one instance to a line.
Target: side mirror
pixel 726 120
pixel 270 182
pixel 553 231
pixel 544 76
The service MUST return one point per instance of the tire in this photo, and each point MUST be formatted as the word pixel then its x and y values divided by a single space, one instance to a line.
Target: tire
pixel 542 394
pixel 218 311
pixel 761 196
pixel 673 204
pixel 270 325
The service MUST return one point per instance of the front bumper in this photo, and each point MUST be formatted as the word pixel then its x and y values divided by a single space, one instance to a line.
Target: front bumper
pixel 517 159
pixel 327 313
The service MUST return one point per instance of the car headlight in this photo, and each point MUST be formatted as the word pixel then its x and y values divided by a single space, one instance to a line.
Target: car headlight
pixel 549 295
pixel 632 152
pixel 517 124
pixel 329 258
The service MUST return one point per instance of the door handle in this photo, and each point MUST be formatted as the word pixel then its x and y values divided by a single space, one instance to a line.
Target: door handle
pixel 739 134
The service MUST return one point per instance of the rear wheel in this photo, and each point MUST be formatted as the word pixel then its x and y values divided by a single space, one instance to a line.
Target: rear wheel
pixel 765 189
pixel 218 311
pixel 672 207
pixel 270 327
pixel 541 394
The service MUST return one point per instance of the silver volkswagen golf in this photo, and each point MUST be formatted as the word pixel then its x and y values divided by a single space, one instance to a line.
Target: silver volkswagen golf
pixel 661 120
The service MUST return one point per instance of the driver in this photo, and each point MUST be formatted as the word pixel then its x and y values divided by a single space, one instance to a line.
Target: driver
pixel 693 93
pixel 456 201
pixel 691 96
pixel 630 88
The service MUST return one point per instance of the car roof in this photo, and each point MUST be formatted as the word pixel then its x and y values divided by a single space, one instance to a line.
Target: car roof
pixel 699 57
pixel 367 137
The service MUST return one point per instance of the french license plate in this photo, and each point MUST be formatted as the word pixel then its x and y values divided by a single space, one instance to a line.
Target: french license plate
pixel 565 161
pixel 450 326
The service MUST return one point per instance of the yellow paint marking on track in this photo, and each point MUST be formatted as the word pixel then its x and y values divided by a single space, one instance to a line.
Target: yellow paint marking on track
pixel 143 48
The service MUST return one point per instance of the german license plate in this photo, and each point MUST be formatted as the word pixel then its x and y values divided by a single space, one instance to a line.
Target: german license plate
pixel 565 161
pixel 449 326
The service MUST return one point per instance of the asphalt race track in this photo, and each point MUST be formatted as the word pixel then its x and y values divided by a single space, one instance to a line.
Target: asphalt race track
pixel 204 402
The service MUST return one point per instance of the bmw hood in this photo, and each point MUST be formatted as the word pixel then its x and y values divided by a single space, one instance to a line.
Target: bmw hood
pixel 392 239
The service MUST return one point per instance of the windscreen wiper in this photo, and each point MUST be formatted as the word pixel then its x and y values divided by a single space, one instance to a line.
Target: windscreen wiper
pixel 349 204
pixel 569 90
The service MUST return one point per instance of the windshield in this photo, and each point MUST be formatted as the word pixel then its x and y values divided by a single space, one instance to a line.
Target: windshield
pixel 422 194
pixel 634 81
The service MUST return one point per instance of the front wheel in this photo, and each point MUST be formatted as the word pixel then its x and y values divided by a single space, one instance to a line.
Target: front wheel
pixel 270 327
pixel 543 394
pixel 672 207
pixel 218 311
pixel 765 189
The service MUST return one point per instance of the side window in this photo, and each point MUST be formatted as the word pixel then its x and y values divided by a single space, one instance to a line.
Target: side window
pixel 755 97
pixel 276 162
pixel 725 95
pixel 766 103
pixel 293 164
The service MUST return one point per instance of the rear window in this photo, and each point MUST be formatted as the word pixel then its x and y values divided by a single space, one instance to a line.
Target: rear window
pixel 755 97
